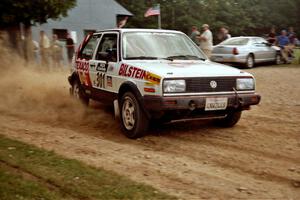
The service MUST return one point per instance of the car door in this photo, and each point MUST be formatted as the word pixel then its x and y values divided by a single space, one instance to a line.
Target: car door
pixel 270 51
pixel 259 50
pixel 84 57
pixel 264 52
pixel 105 61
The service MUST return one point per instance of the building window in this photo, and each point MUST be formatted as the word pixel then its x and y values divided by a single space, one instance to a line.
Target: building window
pixel 61 33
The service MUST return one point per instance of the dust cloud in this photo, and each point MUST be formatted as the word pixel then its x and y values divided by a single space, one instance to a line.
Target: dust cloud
pixel 31 92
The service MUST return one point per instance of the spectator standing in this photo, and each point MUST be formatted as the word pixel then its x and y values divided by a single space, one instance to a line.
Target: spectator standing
pixel 70 47
pixel 292 36
pixel 56 52
pixel 36 49
pixel 283 42
pixel 272 36
pixel 223 34
pixel 44 49
pixel 194 35
pixel 206 40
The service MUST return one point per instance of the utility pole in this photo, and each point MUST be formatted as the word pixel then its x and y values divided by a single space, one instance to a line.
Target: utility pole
pixel 159 17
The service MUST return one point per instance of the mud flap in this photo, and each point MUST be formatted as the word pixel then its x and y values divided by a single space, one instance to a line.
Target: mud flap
pixel 116 109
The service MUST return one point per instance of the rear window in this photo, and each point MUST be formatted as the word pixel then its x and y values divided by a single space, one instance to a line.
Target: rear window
pixel 236 41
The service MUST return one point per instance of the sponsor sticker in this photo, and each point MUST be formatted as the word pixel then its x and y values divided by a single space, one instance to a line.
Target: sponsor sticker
pixel 109 81
pixel 82 67
pixel 135 72
pixel 130 71
pixel 152 78
pixel 101 67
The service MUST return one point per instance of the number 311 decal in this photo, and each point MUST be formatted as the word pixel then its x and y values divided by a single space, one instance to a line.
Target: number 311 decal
pixel 99 82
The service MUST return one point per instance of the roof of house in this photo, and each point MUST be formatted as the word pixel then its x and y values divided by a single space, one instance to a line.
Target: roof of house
pixel 93 13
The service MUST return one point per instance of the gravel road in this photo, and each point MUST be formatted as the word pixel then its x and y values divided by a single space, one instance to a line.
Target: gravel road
pixel 257 159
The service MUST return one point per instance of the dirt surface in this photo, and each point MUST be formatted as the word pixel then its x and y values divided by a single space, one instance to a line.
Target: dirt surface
pixel 257 159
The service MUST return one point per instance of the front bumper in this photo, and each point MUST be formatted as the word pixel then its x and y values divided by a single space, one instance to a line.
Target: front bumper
pixel 155 104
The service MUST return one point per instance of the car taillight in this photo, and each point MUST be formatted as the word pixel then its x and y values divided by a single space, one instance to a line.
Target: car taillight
pixel 235 51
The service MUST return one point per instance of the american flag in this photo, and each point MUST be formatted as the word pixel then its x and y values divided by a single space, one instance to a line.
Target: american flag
pixel 155 10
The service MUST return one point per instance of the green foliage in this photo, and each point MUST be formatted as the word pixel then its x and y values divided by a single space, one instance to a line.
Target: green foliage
pixel 28 12
pixel 27 172
pixel 243 17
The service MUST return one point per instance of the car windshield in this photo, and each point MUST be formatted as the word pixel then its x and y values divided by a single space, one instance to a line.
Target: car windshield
pixel 235 41
pixel 159 45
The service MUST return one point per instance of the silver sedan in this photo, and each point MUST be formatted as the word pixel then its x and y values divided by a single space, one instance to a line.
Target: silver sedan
pixel 246 50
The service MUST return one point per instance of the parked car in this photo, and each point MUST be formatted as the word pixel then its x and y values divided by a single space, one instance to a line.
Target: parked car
pixel 158 75
pixel 247 51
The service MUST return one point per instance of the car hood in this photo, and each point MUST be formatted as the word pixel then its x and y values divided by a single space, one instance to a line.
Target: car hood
pixel 177 69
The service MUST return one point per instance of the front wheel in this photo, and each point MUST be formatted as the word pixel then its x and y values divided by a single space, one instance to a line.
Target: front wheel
pixel 133 118
pixel 230 120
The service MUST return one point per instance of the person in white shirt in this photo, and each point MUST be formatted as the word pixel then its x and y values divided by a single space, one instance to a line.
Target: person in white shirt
pixel 206 40
pixel 44 49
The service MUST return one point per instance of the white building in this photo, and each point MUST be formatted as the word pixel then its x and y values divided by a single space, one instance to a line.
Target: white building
pixel 88 15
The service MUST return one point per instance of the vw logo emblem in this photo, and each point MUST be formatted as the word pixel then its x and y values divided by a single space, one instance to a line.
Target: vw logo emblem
pixel 213 84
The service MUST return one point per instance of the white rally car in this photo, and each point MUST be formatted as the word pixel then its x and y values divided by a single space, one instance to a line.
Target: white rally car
pixel 158 75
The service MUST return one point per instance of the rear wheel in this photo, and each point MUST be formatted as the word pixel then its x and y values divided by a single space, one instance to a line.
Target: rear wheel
pixel 78 92
pixel 250 62
pixel 278 59
pixel 230 120
pixel 133 118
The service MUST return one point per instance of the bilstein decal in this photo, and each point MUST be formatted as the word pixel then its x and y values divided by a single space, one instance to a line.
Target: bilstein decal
pixel 135 72
pixel 130 71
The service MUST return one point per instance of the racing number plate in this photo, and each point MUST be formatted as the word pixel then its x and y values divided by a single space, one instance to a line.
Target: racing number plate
pixel 216 104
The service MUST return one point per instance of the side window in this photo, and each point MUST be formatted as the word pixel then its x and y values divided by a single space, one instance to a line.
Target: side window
pixel 108 48
pixel 254 41
pixel 260 42
pixel 88 50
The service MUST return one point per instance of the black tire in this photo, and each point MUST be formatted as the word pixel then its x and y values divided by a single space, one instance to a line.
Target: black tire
pixel 250 61
pixel 278 59
pixel 230 120
pixel 133 119
pixel 78 92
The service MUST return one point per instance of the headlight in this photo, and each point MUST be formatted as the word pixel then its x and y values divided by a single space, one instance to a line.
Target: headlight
pixel 245 84
pixel 174 86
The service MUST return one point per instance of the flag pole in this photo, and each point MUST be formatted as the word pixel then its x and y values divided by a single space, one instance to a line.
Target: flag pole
pixel 159 17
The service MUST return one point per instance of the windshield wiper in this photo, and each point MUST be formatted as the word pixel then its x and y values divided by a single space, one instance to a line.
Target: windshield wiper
pixel 147 58
pixel 142 58
pixel 185 57
pixel 171 58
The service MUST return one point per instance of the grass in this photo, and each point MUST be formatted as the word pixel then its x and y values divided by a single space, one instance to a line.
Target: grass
pixel 27 172
pixel 296 60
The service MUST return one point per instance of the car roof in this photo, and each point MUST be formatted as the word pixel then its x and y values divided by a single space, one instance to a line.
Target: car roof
pixel 123 30
pixel 247 37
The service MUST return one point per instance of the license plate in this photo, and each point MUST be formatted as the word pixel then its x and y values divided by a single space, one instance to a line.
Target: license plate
pixel 216 104
pixel 218 58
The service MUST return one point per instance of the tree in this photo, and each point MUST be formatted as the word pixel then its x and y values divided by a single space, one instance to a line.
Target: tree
pixel 14 13
pixel 243 17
